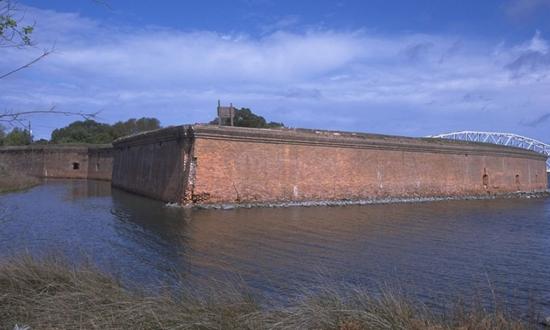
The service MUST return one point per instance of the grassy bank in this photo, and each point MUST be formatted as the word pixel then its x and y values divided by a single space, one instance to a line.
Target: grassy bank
pixel 51 295
pixel 10 181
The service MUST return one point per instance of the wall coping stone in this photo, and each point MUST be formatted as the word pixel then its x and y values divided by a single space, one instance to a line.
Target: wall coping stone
pixel 58 148
pixel 312 137
pixel 170 133
pixel 357 140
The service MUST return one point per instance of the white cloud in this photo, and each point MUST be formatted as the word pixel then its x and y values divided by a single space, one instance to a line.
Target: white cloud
pixel 530 59
pixel 410 83
pixel 205 57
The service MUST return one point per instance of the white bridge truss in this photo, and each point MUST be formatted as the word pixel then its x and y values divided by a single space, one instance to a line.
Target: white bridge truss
pixel 506 139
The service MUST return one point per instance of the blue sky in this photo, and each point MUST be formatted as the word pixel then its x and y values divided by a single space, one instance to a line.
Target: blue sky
pixel 402 67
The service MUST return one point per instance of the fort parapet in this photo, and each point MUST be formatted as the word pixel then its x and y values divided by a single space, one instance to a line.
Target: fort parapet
pixel 60 161
pixel 203 164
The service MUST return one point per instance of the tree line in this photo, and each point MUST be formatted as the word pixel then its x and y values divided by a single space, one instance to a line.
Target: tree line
pixel 82 131
pixel 93 132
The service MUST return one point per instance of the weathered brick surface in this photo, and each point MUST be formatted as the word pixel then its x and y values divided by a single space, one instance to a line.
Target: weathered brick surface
pixel 244 168
pixel 59 163
pixel 100 163
pixel 208 164
pixel 94 162
pixel 231 171
pixel 29 161
pixel 153 164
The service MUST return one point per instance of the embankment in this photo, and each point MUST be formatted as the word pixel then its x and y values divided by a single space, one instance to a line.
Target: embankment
pixel 206 165
pixel 59 161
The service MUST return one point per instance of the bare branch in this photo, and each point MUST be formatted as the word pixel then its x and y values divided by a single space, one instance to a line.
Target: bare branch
pixel 15 118
pixel 44 54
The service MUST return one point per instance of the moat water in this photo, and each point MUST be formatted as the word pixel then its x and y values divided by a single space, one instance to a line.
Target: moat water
pixel 436 251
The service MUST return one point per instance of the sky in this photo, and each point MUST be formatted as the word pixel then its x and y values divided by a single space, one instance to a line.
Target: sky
pixel 412 68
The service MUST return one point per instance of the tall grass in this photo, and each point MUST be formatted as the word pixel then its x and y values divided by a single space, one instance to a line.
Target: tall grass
pixel 50 294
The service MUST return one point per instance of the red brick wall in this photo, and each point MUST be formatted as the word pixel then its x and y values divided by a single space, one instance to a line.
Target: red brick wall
pixel 229 171
pixel 100 163
pixel 60 164
pixel 29 161
pixel 209 164
pixel 72 162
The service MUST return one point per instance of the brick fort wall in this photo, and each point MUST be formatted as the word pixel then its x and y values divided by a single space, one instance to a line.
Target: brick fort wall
pixel 238 165
pixel 153 164
pixel 63 161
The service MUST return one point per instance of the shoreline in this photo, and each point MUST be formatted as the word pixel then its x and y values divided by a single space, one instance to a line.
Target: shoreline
pixel 373 201
pixel 85 297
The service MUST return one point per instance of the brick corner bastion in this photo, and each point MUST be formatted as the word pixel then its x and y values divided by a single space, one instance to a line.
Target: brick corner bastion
pixel 208 165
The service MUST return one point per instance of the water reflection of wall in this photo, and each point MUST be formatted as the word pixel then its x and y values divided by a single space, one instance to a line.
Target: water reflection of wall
pixel 151 232
pixel 449 248
pixel 431 245
pixel 78 189
pixel 151 215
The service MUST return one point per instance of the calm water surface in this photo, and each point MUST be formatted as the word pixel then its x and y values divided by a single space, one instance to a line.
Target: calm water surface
pixel 436 251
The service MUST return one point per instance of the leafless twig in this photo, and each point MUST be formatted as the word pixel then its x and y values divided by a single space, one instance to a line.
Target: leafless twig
pixel 15 118
pixel 44 54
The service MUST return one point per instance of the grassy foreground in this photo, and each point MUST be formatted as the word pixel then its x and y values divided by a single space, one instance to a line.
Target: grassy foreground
pixel 49 294
pixel 10 181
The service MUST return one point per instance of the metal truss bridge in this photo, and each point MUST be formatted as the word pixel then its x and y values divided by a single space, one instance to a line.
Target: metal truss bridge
pixel 506 139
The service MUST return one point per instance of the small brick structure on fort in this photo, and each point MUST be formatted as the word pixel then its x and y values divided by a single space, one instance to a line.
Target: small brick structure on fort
pixel 204 165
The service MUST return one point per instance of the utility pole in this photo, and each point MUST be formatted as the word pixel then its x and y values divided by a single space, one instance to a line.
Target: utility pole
pixel 231 112
pixel 219 114
pixel 30 132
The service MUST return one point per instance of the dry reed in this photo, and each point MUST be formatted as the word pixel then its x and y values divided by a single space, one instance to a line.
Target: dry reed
pixel 50 294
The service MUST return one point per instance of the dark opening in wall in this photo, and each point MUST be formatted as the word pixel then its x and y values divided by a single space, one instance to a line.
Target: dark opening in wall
pixel 517 180
pixel 76 166
pixel 97 166
pixel 485 181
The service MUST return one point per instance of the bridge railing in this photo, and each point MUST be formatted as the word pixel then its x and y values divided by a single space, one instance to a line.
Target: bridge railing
pixel 506 139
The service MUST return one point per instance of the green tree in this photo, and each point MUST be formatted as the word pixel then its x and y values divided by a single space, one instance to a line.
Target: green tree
pixel 90 131
pixel 2 135
pixel 12 33
pixel 84 131
pixel 18 137
pixel 244 117
pixel 134 126
pixel 41 142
